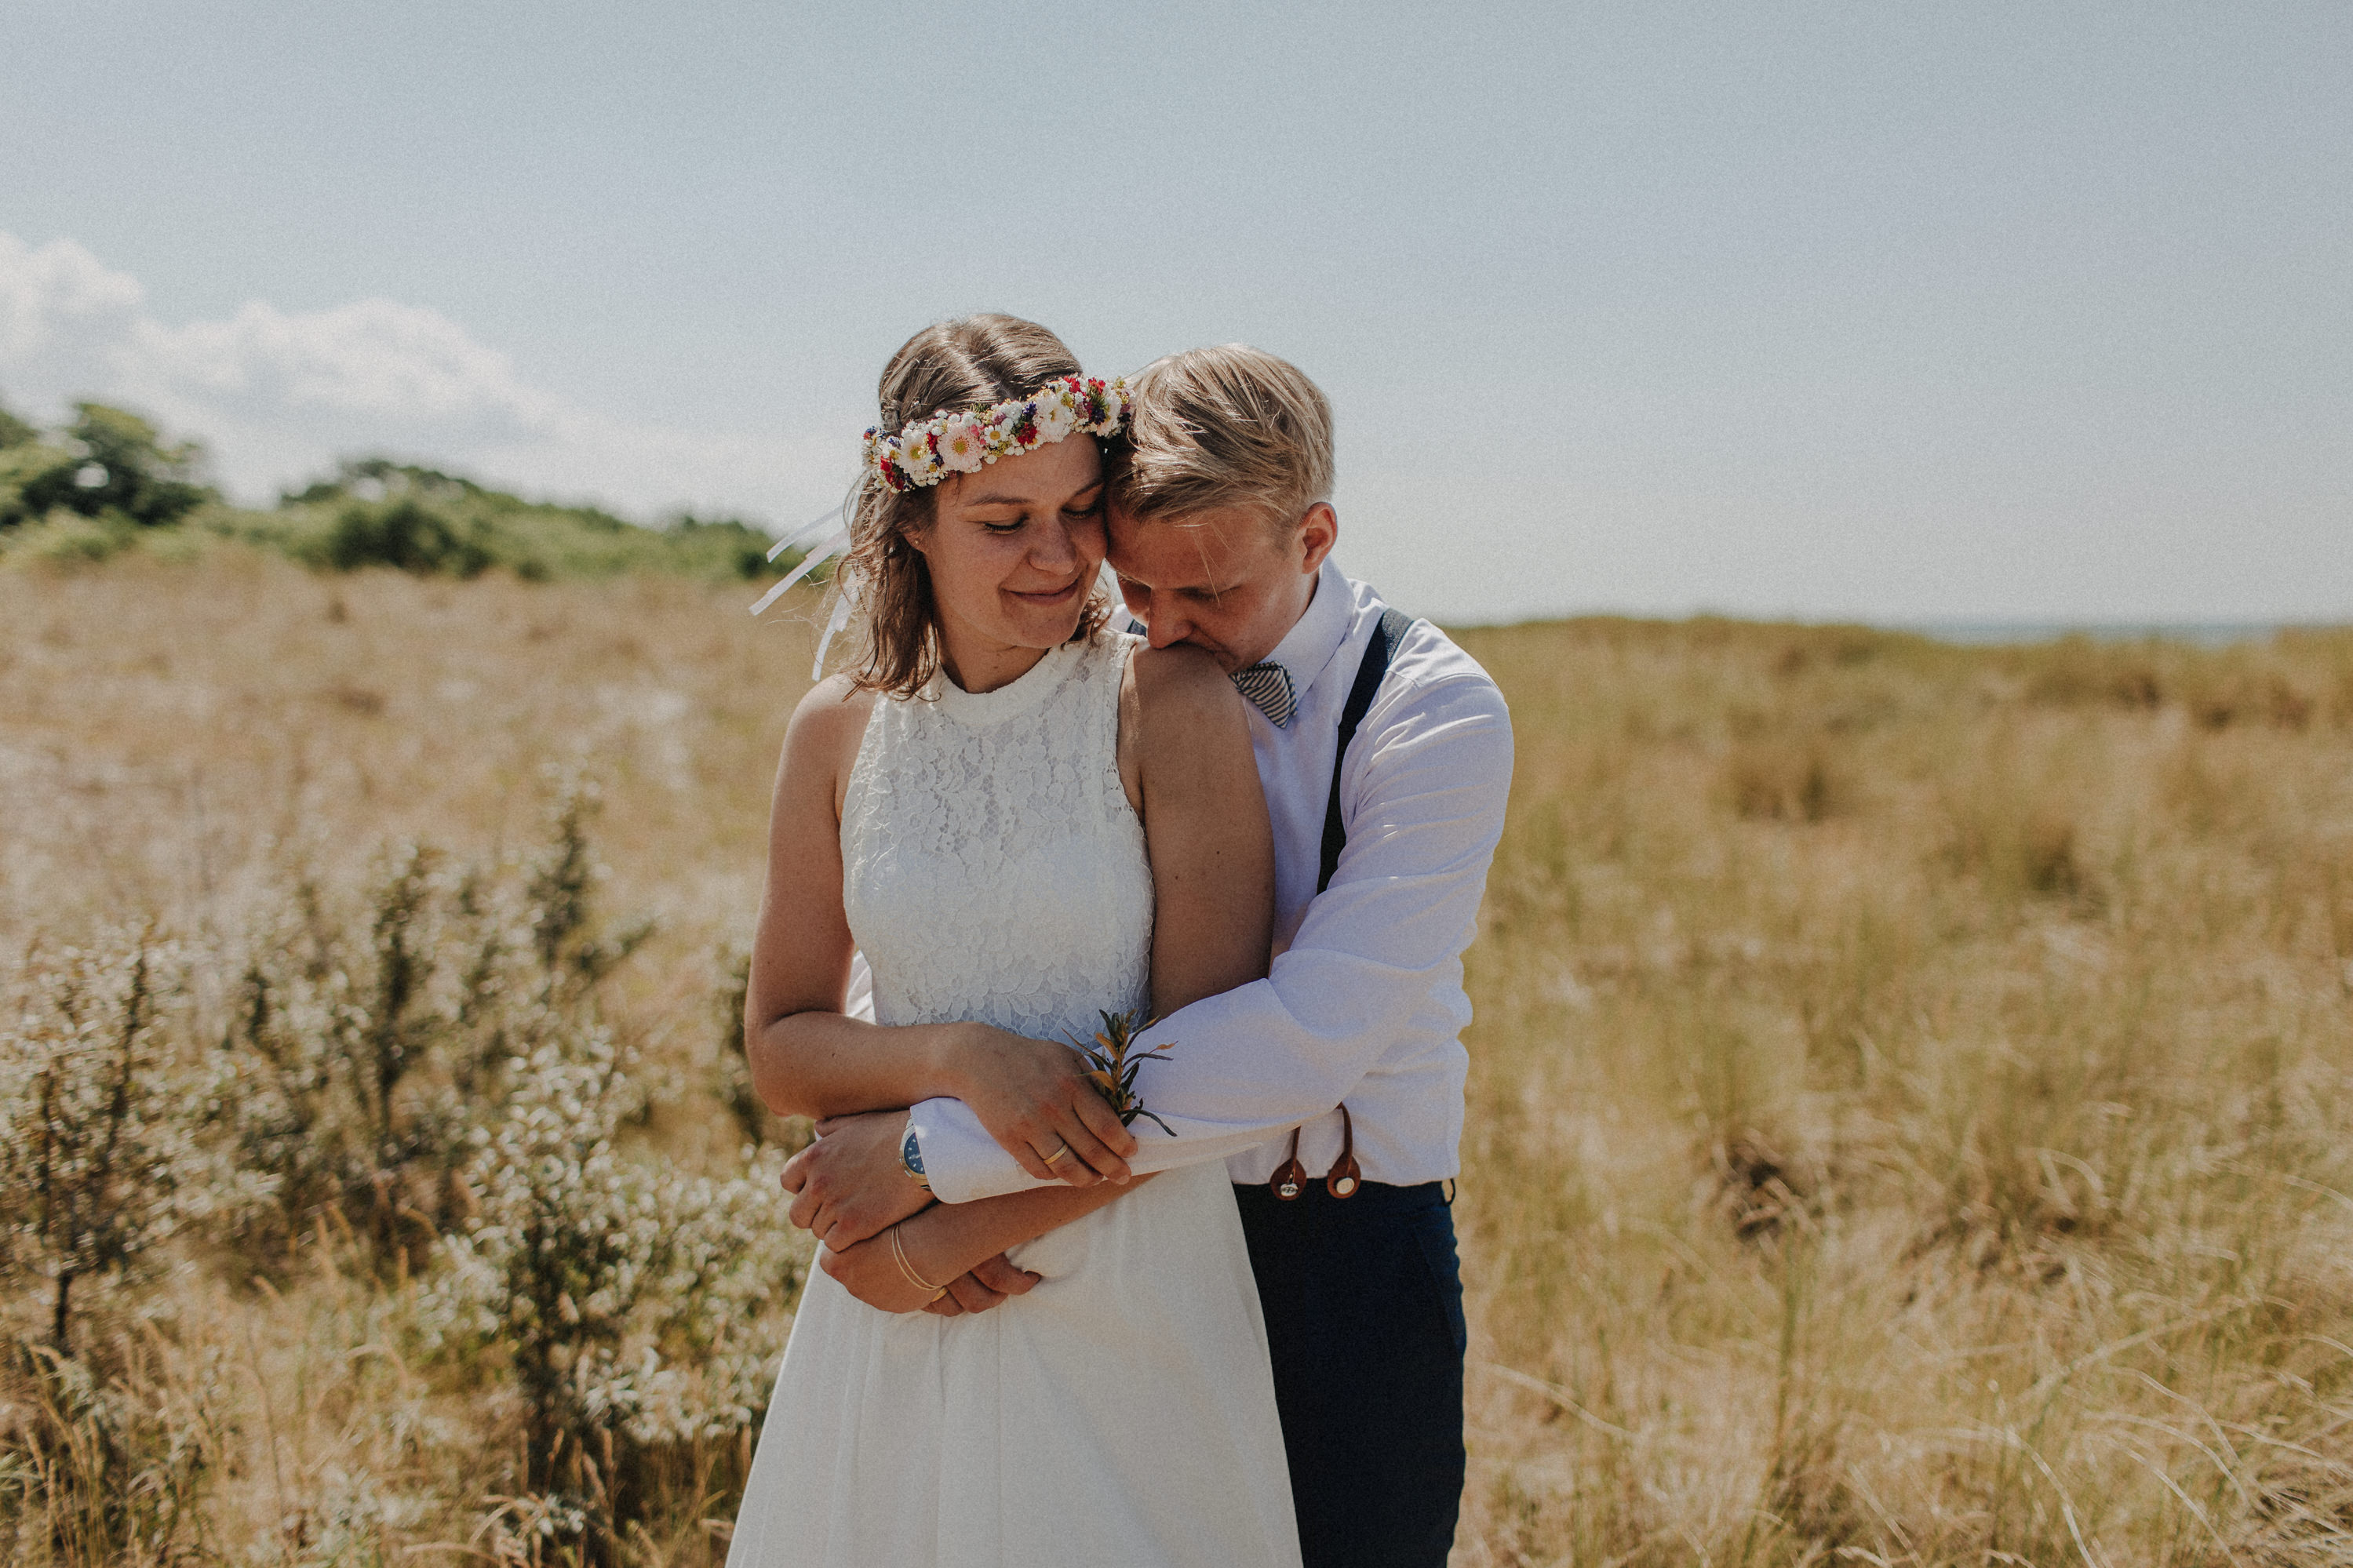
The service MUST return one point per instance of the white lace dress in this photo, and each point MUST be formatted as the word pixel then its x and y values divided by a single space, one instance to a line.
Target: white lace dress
pixel 1121 1413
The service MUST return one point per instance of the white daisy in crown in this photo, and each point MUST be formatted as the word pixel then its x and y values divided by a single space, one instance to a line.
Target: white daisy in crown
pixel 962 441
pixel 1057 413
pixel 961 445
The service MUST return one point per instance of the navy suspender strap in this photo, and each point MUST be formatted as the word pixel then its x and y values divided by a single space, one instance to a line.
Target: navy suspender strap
pixel 1379 652
pixel 1345 1176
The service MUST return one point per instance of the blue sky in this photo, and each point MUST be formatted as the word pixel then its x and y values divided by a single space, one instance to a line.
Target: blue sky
pixel 1902 312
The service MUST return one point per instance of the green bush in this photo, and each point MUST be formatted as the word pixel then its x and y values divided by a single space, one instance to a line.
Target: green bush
pixel 376 513
pixel 342 1075
pixel 407 534
pixel 107 463
pixel 35 476
pixel 66 539
pixel 136 474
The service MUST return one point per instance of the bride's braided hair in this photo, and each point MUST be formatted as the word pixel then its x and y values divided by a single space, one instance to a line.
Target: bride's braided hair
pixel 971 363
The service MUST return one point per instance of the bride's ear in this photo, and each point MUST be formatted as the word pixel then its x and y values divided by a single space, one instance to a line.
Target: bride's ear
pixel 917 522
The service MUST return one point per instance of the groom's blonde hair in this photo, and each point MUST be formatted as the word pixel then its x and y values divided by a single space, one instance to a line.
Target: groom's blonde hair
pixel 1224 426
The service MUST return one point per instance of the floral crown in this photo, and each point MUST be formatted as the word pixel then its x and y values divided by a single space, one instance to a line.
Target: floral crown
pixel 961 441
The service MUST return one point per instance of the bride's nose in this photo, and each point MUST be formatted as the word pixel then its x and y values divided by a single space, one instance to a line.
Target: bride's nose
pixel 1052 549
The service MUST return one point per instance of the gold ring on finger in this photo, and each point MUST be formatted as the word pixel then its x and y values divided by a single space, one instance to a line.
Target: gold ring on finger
pixel 1060 1151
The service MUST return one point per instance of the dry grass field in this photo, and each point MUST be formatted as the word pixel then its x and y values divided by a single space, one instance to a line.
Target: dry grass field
pixel 1909 1121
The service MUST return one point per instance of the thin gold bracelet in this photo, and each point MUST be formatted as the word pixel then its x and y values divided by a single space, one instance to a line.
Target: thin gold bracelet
pixel 899 1254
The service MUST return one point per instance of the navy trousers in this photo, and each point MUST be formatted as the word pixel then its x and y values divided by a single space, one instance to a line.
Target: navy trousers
pixel 1363 1298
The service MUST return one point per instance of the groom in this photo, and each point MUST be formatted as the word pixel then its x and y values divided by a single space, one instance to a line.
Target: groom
pixel 1333 1088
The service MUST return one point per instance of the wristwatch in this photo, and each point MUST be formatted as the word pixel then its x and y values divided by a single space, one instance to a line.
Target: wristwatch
pixel 910 1157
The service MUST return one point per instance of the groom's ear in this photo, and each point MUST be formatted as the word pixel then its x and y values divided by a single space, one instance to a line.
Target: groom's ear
pixel 1319 530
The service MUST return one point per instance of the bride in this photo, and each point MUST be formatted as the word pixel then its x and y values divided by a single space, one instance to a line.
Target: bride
pixel 1024 820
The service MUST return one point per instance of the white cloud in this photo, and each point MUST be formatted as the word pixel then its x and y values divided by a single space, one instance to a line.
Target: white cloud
pixel 374 358
pixel 59 306
pixel 278 395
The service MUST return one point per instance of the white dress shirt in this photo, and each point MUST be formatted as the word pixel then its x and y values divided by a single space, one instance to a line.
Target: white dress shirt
pixel 1364 1003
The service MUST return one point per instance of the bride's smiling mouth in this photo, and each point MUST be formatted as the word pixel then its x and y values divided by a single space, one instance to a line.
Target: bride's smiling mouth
pixel 1047 598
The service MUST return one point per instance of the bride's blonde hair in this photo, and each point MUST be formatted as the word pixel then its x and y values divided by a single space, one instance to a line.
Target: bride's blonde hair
pixel 973 362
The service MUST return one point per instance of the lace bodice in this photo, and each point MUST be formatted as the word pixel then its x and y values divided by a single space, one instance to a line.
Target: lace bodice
pixel 992 868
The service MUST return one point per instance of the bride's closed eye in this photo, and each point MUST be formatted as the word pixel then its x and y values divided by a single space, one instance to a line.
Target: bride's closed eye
pixel 1087 513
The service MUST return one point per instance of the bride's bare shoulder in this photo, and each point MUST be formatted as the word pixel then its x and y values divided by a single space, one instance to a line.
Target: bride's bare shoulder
pixel 1182 680
pixel 1187 717
pixel 830 721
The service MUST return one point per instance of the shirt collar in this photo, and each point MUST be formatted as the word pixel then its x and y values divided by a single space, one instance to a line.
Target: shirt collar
pixel 1316 636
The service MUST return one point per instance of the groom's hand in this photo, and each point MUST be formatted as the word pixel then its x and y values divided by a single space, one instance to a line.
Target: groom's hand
pixel 849 1185
pixel 1034 1097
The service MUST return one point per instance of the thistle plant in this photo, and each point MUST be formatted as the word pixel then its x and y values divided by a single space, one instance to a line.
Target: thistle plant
pixel 99 1460
pixel 1115 1062
pixel 366 1045
pixel 341 1077
pixel 560 900
pixel 629 1299
pixel 96 1156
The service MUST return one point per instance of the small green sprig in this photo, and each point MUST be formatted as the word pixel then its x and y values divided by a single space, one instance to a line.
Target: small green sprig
pixel 1114 1069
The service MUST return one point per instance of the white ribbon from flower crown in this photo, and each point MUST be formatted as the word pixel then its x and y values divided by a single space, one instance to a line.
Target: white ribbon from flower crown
pixel 820 553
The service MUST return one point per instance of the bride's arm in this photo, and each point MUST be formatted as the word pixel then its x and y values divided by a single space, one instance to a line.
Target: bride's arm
pixel 808 1060
pixel 1205 826
pixel 962 1247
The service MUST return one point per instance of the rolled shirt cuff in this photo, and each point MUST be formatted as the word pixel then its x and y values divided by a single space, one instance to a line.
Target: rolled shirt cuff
pixel 961 1161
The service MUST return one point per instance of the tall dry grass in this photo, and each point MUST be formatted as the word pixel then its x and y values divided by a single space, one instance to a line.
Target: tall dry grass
pixel 1911 1084
pixel 1910 1103
pixel 241 754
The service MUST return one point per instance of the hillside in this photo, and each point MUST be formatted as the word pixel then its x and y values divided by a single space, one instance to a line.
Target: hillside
pixel 109 481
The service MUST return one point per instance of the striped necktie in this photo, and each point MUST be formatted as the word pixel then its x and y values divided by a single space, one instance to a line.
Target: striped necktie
pixel 1269 687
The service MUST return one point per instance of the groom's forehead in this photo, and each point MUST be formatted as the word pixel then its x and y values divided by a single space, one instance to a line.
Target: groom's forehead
pixel 1206 550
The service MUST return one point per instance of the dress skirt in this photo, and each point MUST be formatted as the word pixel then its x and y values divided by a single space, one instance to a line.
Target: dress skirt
pixel 1120 1414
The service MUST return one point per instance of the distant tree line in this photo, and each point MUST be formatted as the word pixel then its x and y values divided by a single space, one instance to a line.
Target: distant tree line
pixel 107 479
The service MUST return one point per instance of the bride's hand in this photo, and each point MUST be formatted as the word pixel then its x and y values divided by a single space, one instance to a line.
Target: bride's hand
pixel 868 1271
pixel 1035 1099
pixel 991 1282
pixel 849 1185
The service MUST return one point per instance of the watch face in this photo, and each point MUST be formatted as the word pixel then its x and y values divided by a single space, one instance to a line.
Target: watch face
pixel 910 1153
